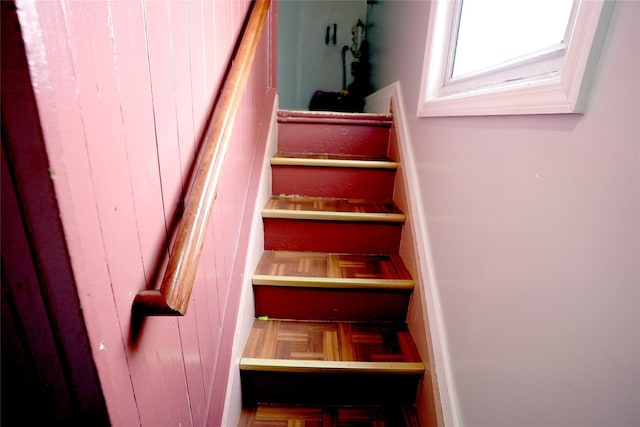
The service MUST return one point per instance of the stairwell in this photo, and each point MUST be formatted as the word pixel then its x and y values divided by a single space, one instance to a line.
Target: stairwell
pixel 330 346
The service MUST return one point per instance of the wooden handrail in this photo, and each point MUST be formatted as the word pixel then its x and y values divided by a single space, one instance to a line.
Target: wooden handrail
pixel 175 291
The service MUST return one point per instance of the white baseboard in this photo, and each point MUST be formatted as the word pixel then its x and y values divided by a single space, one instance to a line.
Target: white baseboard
pixel 380 102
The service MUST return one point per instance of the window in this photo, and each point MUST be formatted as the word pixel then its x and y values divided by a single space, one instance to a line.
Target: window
pixel 534 59
pixel 495 32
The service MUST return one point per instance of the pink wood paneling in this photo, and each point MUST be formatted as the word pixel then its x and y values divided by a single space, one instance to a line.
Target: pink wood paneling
pixel 20 294
pixel 201 357
pixel 137 117
pixel 202 40
pixel 123 90
pixel 54 84
pixel 89 40
pixel 163 93
pixel 46 359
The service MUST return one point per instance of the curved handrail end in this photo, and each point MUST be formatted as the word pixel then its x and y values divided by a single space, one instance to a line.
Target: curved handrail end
pixel 151 302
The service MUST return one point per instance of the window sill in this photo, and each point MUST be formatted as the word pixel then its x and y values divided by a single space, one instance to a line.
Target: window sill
pixel 548 96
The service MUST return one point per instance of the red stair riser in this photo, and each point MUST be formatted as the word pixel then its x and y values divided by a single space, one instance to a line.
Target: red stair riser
pixel 331 236
pixel 330 304
pixel 284 387
pixel 345 183
pixel 371 141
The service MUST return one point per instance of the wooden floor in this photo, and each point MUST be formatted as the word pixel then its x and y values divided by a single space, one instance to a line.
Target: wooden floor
pixel 331 341
pixel 332 266
pixel 336 416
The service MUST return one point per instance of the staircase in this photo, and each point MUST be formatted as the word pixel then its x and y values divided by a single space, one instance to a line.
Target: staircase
pixel 330 346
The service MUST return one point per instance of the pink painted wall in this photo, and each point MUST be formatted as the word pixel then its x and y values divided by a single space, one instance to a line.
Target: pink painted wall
pixel 534 226
pixel 123 90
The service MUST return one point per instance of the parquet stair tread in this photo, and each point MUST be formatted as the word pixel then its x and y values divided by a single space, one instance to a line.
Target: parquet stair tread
pixel 303 346
pixel 329 416
pixel 321 208
pixel 317 269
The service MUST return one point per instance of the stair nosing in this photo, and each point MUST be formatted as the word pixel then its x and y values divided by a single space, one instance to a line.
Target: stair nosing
pixel 285 113
pixel 333 216
pixel 334 163
pixel 357 119
pixel 333 282
pixel 331 366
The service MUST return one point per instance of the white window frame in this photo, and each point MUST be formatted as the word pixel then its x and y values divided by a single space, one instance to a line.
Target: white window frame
pixel 562 91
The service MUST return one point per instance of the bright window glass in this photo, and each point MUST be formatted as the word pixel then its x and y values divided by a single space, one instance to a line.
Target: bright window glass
pixel 494 32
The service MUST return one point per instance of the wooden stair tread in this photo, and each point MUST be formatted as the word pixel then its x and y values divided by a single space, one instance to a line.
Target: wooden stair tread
pixel 333 363
pixel 318 208
pixel 304 346
pixel 288 268
pixel 329 416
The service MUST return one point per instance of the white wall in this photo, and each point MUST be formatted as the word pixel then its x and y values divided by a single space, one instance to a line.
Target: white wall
pixel 305 62
pixel 535 231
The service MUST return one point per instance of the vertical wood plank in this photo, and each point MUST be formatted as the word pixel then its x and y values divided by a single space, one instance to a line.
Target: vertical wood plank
pixel 163 98
pixel 53 74
pixel 134 90
pixel 181 53
pixel 213 78
pixel 95 74
pixel 201 95
pixel 221 47
pixel 221 37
